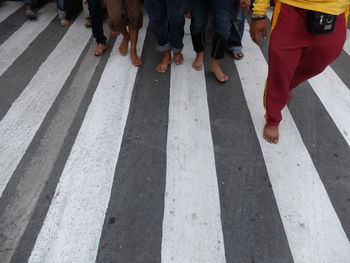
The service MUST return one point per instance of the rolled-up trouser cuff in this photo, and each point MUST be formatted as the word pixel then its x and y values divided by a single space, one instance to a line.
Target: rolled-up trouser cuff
pixel 231 48
pixel 61 14
pixel 219 48
pixel 176 50
pixel 162 48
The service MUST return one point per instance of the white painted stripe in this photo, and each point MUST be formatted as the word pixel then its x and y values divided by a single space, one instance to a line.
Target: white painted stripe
pixel 192 230
pixel 313 229
pixel 335 96
pixel 73 225
pixel 25 116
pixel 13 47
pixel 347 43
pixel 7 8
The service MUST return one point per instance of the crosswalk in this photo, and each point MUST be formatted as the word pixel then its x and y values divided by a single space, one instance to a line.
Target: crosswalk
pixel 101 161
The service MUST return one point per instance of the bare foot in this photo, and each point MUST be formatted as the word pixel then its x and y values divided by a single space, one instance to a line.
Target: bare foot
pixel 271 133
pixel 217 71
pixel 188 14
pixel 114 34
pixel 64 22
pixel 123 48
pixel 178 58
pixel 136 61
pixel 237 54
pixel 198 61
pixel 164 64
pixel 100 49
pixel 88 22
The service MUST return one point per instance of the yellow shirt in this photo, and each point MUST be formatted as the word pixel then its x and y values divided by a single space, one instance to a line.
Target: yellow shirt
pixel 334 7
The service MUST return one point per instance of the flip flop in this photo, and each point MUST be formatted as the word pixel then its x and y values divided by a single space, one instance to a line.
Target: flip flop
pixel 237 54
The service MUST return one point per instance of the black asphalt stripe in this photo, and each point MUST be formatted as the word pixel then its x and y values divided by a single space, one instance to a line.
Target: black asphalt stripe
pixel 252 226
pixel 327 147
pixel 15 79
pixel 341 66
pixel 28 240
pixel 132 229
pixel 11 24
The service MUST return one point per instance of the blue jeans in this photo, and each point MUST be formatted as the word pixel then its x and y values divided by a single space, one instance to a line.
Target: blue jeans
pixel 96 16
pixel 167 21
pixel 28 2
pixel 199 13
pixel 235 41
pixel 225 13
pixel 61 9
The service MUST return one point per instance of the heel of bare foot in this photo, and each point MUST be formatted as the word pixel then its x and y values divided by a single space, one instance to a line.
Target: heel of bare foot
pixel 64 22
pixel 124 46
pixel 164 64
pixel 178 58
pixel 100 49
pixel 271 133
pixel 135 59
pixel 198 62
pixel 219 74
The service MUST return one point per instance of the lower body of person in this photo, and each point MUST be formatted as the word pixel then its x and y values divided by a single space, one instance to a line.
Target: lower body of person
pixel 86 13
pixel 225 13
pixel 167 21
pixel 62 14
pixel 96 16
pixel 126 17
pixel 30 12
pixel 235 41
pixel 295 55
pixel 199 20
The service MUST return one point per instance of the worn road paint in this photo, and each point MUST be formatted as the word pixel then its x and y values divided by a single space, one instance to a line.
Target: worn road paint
pixel 7 8
pixel 13 47
pixel 25 116
pixel 192 230
pixel 73 225
pixel 313 229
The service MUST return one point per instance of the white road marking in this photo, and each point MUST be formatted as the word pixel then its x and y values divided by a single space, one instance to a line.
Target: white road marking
pixel 334 94
pixel 13 47
pixel 8 8
pixel 347 43
pixel 73 225
pixel 192 230
pixel 25 116
pixel 313 228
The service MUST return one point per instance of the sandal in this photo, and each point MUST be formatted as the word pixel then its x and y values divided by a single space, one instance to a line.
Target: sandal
pixel 237 54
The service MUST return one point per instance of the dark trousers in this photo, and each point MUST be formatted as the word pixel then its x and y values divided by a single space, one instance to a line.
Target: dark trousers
pixel 235 41
pixel 96 16
pixel 225 13
pixel 199 13
pixel 167 21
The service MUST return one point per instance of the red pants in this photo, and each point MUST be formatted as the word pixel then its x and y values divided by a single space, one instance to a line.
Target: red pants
pixel 295 55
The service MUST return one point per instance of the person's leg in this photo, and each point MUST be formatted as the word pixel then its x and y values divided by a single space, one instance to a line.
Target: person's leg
pixel 86 13
pixel 288 39
pixel 199 20
pixel 134 22
pixel 96 15
pixel 30 13
pixel 223 17
pixel 235 41
pixel 158 21
pixel 176 18
pixel 61 10
pixel 322 52
pixel 117 23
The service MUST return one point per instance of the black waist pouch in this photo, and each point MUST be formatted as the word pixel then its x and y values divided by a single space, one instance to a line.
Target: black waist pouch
pixel 320 23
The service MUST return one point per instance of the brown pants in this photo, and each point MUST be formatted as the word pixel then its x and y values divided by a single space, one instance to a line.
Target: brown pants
pixel 123 13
